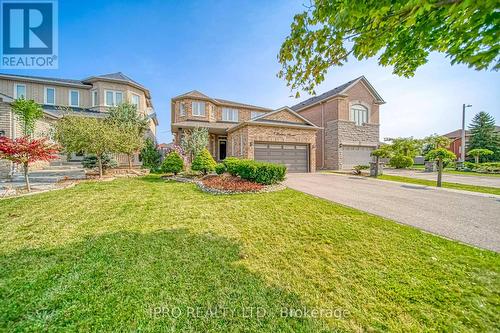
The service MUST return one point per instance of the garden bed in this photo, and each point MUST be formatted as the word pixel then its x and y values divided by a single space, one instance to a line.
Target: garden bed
pixel 226 184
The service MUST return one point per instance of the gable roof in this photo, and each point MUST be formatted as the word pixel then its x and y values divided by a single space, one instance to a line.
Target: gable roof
pixel 458 133
pixel 117 77
pixel 218 101
pixel 44 79
pixel 338 91
pixel 261 120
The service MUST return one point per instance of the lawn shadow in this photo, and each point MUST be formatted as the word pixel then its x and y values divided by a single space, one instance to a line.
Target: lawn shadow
pixel 163 281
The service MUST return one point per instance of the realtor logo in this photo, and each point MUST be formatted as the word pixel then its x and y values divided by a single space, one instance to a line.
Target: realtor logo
pixel 29 34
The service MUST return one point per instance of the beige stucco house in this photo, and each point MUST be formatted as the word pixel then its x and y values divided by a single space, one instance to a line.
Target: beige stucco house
pixel 90 97
pixel 335 130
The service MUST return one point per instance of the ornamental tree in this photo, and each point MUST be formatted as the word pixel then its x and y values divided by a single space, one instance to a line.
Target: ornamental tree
pixel 204 162
pixel 194 141
pixel 24 151
pixel 478 152
pixel 483 135
pixel 27 112
pixel 150 156
pixel 172 163
pixel 439 155
pixel 400 33
pixel 88 135
pixel 434 141
pixel 382 152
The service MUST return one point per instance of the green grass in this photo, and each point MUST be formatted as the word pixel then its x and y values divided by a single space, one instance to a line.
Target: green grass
pixel 456 186
pixel 457 172
pixel 146 255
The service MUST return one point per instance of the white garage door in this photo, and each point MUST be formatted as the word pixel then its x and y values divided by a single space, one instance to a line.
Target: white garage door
pixel 294 156
pixel 355 155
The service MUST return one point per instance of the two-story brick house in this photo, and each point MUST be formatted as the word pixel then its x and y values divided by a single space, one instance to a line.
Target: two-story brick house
pixel 348 117
pixel 90 97
pixel 247 131
pixel 335 130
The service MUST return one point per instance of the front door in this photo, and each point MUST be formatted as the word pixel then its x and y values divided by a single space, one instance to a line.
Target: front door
pixel 222 149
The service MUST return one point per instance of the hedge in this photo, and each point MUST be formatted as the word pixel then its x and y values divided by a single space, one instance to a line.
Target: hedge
pixel 254 171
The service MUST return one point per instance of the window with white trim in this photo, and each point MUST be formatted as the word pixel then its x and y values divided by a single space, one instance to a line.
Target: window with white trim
pixel 359 114
pixel 198 109
pixel 182 109
pixel 136 100
pixel 95 98
pixel 256 114
pixel 229 114
pixel 49 96
pixel 20 91
pixel 74 98
pixel 113 98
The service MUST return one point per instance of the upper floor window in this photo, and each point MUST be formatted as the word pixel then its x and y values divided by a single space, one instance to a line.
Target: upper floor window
pixel 50 96
pixel 182 109
pixel 359 114
pixel 95 98
pixel 198 109
pixel 74 98
pixel 256 114
pixel 229 114
pixel 113 98
pixel 136 100
pixel 20 91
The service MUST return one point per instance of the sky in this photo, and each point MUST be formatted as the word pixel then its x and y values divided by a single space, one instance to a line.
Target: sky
pixel 228 49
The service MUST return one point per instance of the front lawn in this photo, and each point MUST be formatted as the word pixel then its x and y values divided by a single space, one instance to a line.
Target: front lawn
pixel 145 255
pixel 456 186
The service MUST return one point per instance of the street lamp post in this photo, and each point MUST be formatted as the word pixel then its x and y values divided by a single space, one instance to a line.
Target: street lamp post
pixel 462 145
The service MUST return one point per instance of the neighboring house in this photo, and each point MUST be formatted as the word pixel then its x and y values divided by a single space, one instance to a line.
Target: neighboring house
pixel 348 117
pixel 247 131
pixel 456 140
pixel 90 97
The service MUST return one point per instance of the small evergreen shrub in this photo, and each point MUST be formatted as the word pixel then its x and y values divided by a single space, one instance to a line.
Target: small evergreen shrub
pixel 172 163
pixel 401 161
pixel 231 164
pixel 220 168
pixel 203 162
pixel 254 171
pixel 90 162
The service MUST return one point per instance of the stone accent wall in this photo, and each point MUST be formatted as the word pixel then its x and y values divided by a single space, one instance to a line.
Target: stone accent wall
pixel 340 133
pixel 242 141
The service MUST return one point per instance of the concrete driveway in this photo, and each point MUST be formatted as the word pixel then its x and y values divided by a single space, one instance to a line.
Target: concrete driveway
pixel 473 179
pixel 469 218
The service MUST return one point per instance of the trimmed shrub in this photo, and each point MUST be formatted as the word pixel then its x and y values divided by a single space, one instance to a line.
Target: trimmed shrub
pixel 203 162
pixel 401 161
pixel 220 168
pixel 90 162
pixel 254 171
pixel 491 167
pixel 172 163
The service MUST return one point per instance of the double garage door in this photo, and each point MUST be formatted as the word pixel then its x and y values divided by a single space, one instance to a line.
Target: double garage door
pixel 294 156
pixel 355 155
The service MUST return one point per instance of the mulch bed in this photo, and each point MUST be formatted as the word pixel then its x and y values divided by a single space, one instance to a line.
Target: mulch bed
pixel 231 183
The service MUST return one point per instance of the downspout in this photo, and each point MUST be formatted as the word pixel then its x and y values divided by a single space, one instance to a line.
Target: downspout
pixel 323 135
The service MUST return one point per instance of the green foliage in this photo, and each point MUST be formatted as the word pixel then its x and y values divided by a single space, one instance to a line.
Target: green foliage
pixel 194 141
pixel 358 168
pixel 385 151
pixel 440 154
pixel 89 135
pixel 483 135
pixel 409 147
pixel 91 162
pixel 401 33
pixel 203 162
pixel 220 168
pixel 477 153
pixel 400 161
pixel 434 141
pixel 172 163
pixel 259 172
pixel 150 156
pixel 27 112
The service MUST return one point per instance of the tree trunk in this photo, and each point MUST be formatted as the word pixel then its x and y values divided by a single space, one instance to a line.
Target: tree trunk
pixel 476 159
pixel 440 172
pixel 376 166
pixel 99 164
pixel 26 177
pixel 129 156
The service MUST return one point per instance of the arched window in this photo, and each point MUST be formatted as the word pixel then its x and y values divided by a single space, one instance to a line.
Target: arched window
pixel 359 114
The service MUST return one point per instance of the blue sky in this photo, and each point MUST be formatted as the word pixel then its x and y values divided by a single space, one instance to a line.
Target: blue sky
pixel 227 49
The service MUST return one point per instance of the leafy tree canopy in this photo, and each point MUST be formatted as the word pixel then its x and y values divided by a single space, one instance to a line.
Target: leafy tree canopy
pixel 401 33
pixel 440 154
pixel 405 146
pixel 28 112
pixel 194 141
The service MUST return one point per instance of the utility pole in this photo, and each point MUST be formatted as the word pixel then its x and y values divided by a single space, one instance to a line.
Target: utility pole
pixel 462 145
